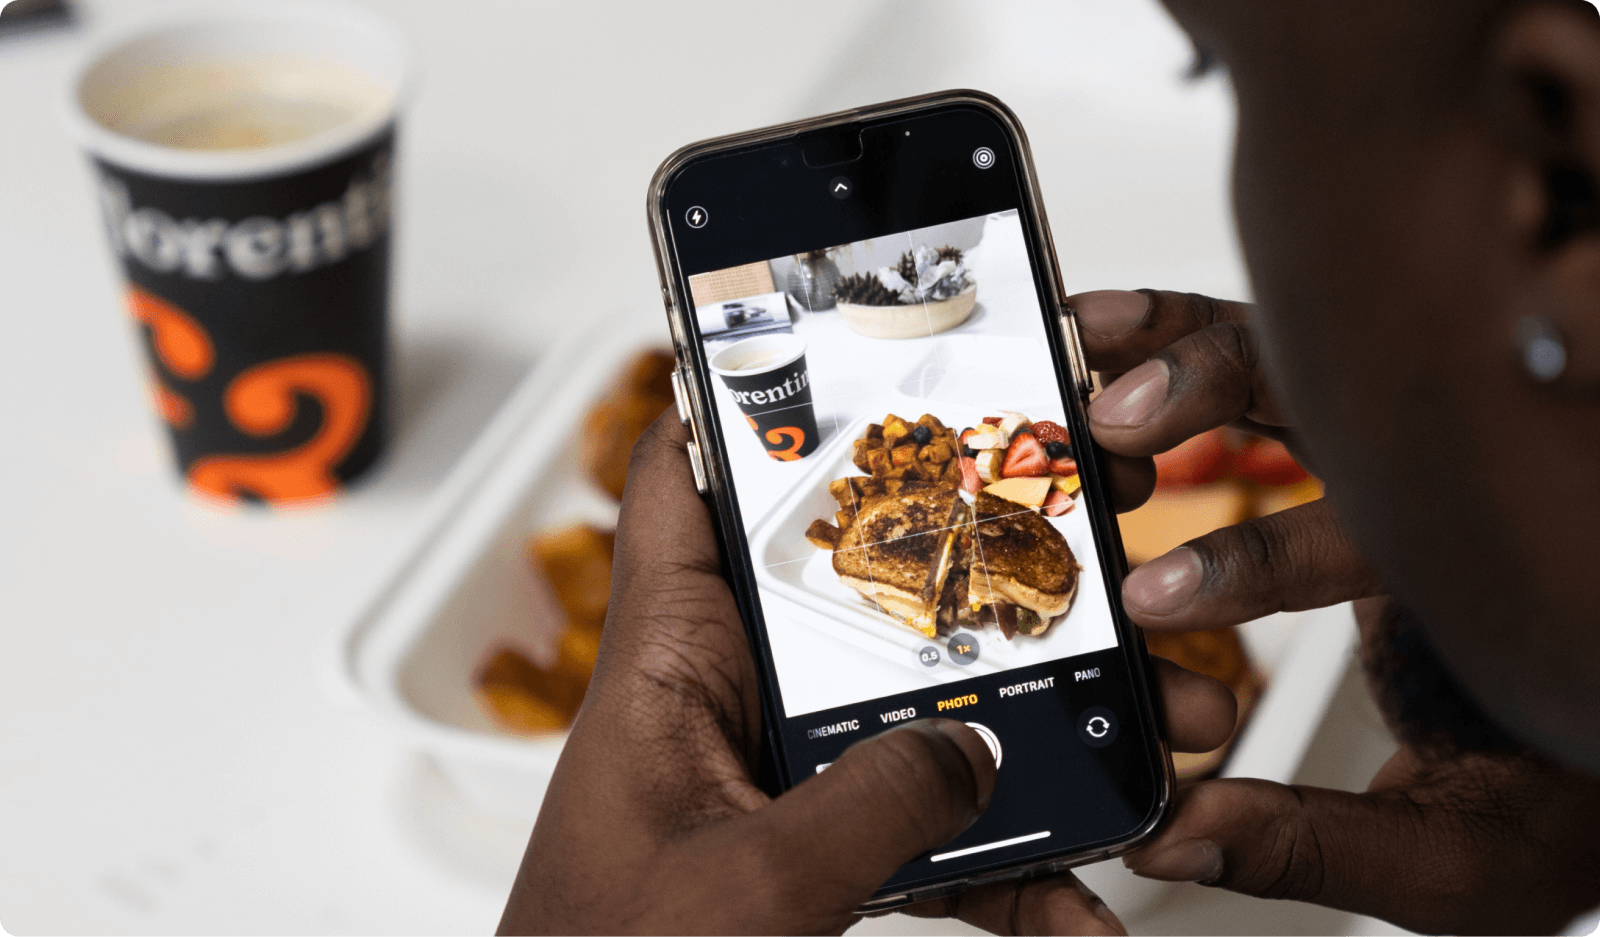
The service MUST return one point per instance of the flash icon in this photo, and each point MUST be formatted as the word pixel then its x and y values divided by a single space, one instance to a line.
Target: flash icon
pixel 696 217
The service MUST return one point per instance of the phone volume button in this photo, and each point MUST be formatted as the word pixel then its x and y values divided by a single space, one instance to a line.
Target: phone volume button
pixel 700 483
pixel 679 396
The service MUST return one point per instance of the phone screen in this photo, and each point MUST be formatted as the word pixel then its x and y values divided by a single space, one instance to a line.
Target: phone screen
pixel 922 521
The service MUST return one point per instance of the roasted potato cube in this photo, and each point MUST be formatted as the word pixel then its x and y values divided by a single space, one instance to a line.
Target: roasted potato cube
pixel 894 430
pixel 864 449
pixel 823 535
pixel 516 694
pixel 874 431
pixel 878 462
pixel 898 472
pixel 576 562
pixel 840 488
pixel 930 421
pixel 952 472
pixel 903 455
pixel 938 452
pixel 894 486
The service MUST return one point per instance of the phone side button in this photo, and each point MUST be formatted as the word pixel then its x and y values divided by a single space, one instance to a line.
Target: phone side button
pixel 700 483
pixel 678 396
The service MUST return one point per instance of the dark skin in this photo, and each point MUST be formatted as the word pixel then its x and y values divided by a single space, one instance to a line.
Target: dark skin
pixel 653 822
pixel 1442 841
pixel 1393 198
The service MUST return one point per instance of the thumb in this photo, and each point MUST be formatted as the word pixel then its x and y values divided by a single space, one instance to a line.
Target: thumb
pixel 1366 853
pixel 885 801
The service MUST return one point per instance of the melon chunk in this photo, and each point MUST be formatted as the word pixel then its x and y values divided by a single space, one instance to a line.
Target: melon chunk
pixel 1067 484
pixel 1026 491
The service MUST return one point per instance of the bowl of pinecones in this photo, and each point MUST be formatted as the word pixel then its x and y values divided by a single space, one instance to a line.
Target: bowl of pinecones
pixel 927 292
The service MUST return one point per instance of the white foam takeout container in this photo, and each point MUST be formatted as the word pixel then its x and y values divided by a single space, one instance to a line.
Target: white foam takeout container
pixel 465 587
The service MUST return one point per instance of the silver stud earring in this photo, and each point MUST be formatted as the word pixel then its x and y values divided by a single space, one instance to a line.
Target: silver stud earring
pixel 1544 353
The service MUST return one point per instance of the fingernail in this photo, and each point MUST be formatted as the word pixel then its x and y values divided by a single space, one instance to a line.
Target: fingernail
pixel 1166 583
pixel 1133 398
pixel 1195 860
pixel 1110 313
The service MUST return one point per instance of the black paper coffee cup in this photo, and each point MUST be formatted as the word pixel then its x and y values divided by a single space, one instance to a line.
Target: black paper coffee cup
pixel 768 378
pixel 258 274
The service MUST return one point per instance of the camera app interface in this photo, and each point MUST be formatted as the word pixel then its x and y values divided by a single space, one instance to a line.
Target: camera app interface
pixel 910 491
pixel 899 449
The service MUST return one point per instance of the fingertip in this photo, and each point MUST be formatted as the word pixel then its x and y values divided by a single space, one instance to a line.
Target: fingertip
pixel 1110 314
pixel 974 749
pixel 1165 586
pixel 1201 711
pixel 1132 480
pixel 1191 860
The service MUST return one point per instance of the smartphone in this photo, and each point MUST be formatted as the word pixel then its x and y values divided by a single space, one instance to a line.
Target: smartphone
pixel 886 395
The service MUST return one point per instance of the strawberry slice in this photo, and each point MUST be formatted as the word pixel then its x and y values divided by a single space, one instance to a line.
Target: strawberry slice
pixel 992 420
pixel 1048 432
pixel 1057 503
pixel 1025 458
pixel 970 482
pixel 1066 465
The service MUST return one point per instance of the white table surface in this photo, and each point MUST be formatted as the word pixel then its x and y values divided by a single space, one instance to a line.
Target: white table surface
pixel 174 757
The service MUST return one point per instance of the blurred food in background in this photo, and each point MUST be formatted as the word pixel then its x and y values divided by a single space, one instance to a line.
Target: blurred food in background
pixel 519 695
pixel 614 425
pixel 1216 479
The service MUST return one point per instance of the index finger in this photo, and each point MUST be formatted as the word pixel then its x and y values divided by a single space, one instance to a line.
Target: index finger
pixel 1121 329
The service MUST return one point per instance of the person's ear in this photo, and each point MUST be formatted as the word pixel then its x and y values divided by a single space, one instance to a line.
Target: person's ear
pixel 1545 103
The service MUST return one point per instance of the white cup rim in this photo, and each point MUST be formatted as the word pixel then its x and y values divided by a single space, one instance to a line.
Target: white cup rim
pixel 170 162
pixel 754 343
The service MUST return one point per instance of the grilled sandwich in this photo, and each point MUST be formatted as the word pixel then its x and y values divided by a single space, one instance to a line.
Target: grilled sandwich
pixel 1021 568
pixel 898 550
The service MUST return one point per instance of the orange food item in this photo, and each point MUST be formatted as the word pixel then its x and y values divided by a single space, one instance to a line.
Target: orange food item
pixel 1268 462
pixel 576 562
pixel 614 425
pixel 521 696
pixel 1196 461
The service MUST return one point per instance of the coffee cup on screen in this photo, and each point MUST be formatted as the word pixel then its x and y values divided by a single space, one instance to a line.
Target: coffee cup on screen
pixel 243 157
pixel 768 378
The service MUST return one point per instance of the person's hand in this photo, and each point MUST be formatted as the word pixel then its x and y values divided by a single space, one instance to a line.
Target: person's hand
pixel 653 821
pixel 1505 843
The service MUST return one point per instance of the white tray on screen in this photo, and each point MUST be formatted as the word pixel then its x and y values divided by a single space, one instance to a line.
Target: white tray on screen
pixel 791 567
pixel 464 587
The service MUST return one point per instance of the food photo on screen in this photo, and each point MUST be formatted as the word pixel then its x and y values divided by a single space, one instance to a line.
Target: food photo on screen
pixel 900 455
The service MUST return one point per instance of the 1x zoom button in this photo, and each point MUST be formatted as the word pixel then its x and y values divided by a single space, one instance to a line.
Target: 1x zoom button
pixel 1097 727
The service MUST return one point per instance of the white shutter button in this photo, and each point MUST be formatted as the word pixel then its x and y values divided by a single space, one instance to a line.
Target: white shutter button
pixel 989 739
